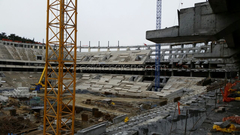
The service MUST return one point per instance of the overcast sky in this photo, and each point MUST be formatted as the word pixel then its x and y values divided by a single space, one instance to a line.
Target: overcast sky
pixel 98 20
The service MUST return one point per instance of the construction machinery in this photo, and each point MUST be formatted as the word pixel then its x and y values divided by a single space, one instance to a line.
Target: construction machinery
pixel 228 90
pixel 40 85
pixel 230 129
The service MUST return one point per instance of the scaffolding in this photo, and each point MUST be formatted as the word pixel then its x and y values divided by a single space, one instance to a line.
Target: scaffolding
pixel 158 46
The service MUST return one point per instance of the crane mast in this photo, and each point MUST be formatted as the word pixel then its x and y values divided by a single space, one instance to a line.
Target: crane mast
pixel 60 75
pixel 158 46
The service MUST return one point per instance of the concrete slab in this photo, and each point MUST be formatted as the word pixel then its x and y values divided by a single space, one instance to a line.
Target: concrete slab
pixel 93 130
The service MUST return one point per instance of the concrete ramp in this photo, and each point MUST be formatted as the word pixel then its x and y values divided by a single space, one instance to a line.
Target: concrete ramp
pixel 180 86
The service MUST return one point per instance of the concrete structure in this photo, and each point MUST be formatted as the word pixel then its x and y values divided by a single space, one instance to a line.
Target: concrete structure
pixel 206 21
pixel 119 119
pixel 199 59
pixel 135 57
pixel 192 59
pixel 93 130
pixel 3 99
pixel 115 84
pixel 0 81
pixel 180 86
pixel 20 92
pixel 165 119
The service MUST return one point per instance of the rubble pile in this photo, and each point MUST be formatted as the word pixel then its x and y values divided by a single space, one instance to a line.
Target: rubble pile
pixel 14 124
pixel 216 85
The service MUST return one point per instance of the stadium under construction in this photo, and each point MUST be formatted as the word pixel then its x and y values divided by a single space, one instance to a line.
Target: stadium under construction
pixel 114 86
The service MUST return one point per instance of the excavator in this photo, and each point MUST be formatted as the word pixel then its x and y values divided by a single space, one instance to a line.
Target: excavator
pixel 40 85
pixel 228 89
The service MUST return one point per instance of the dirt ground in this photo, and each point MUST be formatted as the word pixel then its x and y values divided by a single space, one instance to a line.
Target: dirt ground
pixel 81 98
pixel 122 106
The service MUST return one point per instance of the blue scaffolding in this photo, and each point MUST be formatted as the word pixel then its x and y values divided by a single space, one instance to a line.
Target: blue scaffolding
pixel 158 46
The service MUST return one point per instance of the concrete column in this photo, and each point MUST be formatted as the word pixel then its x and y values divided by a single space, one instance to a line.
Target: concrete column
pixel 98 46
pixel 172 74
pixel 80 47
pixel 170 48
pixel 194 45
pixel 182 46
pixel 211 46
pixel 108 49
pixel 209 73
pixel 191 66
pixel 89 49
pixel 118 49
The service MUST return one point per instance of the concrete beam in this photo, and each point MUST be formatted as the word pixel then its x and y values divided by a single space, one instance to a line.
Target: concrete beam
pixel 218 6
pixel 200 23
pixel 218 51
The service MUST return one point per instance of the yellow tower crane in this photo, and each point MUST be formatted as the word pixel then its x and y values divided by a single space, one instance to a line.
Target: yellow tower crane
pixel 59 98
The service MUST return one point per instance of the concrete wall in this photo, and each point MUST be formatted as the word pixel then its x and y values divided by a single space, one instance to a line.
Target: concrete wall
pixel 93 130
pixel 165 119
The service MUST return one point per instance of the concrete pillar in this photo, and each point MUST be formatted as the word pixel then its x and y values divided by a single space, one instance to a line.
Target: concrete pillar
pixel 182 46
pixel 98 46
pixel 108 49
pixel 80 47
pixel 191 73
pixel 209 73
pixel 194 45
pixel 89 48
pixel 170 48
pixel 118 47
pixel 211 46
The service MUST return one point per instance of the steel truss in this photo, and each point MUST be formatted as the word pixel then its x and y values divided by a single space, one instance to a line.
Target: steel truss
pixel 158 46
pixel 59 98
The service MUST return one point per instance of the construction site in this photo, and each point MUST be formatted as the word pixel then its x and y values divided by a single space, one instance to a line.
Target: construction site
pixel 185 83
